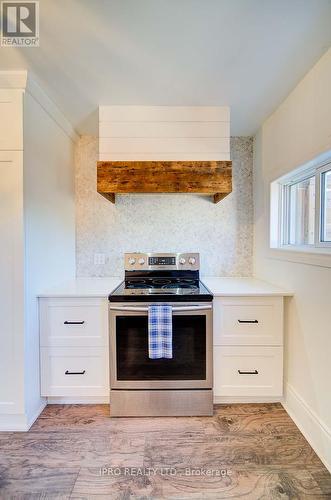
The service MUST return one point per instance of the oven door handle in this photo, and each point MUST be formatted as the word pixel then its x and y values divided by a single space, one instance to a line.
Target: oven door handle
pixel 174 309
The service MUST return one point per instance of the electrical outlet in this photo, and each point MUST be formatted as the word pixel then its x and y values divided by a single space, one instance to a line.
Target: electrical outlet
pixel 99 259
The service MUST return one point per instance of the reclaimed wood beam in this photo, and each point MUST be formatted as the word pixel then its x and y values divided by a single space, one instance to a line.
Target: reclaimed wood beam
pixel 109 196
pixel 203 177
pixel 219 196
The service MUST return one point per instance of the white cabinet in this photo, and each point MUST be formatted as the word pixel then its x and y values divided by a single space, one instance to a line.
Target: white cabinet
pixel 248 321
pixel 248 348
pixel 73 322
pixel 11 123
pixel 11 280
pixel 73 371
pixel 74 347
pixel 37 234
pixel 248 371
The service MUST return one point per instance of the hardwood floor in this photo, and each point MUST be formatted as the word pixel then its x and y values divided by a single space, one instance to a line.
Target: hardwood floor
pixel 243 451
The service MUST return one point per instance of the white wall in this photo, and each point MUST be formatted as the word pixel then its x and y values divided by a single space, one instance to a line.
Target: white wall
pixel 221 232
pixel 49 221
pixel 299 130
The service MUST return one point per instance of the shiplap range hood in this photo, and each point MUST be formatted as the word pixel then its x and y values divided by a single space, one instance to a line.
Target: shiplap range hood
pixel 161 149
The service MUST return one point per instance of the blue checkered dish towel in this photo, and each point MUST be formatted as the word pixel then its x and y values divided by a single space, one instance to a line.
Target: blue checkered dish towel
pixel 160 331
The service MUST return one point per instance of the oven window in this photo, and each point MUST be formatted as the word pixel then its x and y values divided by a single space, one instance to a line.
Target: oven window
pixel 189 350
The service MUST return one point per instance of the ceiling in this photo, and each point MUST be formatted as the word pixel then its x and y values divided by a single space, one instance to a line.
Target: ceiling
pixel 248 54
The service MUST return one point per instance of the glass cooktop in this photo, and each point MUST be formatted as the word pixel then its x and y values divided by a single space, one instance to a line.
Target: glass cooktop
pixel 160 289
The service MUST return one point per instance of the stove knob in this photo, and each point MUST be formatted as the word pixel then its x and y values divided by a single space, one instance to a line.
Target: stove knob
pixel 132 261
pixel 182 260
pixel 192 260
pixel 141 261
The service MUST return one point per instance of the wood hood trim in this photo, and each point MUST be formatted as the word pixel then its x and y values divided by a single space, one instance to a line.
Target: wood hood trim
pixel 204 177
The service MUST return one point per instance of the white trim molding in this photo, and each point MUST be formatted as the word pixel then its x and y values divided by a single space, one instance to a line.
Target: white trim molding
pixel 13 79
pixel 96 400
pixel 312 427
pixel 19 422
pixel 51 108
pixel 317 257
pixel 24 81
pixel 245 399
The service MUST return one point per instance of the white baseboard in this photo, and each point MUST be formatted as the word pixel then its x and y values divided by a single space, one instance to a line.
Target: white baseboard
pixel 105 400
pixel 19 422
pixel 245 399
pixel 315 431
pixel 32 418
pixel 13 423
pixel 78 401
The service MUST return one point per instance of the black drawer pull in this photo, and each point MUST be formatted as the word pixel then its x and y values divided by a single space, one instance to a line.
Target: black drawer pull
pixel 248 321
pixel 74 322
pixel 75 373
pixel 255 372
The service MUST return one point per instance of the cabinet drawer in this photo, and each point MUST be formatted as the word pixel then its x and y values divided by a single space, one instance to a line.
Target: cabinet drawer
pixel 69 371
pixel 248 371
pixel 248 321
pixel 73 322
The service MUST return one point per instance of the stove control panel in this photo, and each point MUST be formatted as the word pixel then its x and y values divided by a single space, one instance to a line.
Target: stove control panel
pixel 165 261
pixel 161 261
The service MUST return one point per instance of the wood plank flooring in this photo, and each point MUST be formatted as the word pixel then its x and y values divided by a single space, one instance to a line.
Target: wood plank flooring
pixel 242 452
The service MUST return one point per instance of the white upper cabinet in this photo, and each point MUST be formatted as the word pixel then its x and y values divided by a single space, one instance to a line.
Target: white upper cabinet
pixel 11 122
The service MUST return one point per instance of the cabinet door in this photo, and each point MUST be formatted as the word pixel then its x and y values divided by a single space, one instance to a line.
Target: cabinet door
pixel 11 123
pixel 11 281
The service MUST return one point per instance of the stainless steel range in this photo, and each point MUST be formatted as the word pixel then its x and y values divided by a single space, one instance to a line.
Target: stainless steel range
pixel 141 386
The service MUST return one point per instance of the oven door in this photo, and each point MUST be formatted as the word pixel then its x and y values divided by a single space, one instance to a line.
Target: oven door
pixel 191 365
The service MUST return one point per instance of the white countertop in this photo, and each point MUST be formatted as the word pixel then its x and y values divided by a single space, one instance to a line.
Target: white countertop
pixel 83 287
pixel 236 287
pixel 220 287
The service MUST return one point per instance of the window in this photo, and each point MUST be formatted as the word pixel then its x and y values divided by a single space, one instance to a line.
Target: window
pixel 326 206
pixel 300 215
pixel 300 222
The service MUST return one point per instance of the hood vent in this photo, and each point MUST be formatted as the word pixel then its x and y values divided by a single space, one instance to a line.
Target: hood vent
pixel 164 149
pixel 213 178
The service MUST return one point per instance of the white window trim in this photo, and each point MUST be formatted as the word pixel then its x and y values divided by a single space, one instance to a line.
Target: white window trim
pixel 317 254
pixel 319 219
pixel 285 206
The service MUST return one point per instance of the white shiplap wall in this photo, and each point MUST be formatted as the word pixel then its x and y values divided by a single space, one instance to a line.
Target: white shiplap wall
pixel 164 133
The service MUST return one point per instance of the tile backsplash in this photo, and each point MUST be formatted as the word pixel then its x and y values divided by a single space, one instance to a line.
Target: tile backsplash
pixel 222 233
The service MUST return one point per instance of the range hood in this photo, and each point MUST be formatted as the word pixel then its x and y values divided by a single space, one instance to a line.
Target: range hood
pixel 213 178
pixel 164 149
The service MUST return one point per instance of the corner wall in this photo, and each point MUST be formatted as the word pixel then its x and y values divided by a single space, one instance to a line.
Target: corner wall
pixel 298 131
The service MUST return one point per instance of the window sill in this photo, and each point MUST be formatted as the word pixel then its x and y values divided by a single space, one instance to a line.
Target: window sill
pixel 303 255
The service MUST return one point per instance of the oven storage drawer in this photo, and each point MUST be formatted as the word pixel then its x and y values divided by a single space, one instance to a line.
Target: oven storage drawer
pixel 71 371
pixel 248 371
pixel 73 322
pixel 248 321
